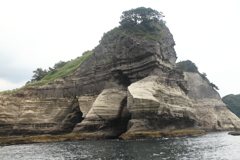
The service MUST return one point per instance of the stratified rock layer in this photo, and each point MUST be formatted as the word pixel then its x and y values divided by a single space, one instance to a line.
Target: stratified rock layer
pixel 21 116
pixel 108 114
pixel 158 103
pixel 129 84
pixel 211 112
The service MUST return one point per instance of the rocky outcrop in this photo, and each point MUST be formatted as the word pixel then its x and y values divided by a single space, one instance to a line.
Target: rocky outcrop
pixel 158 103
pixel 211 112
pixel 37 116
pixel 129 84
pixel 108 114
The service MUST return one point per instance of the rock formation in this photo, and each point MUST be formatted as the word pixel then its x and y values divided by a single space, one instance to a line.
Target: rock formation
pixel 211 112
pixel 130 84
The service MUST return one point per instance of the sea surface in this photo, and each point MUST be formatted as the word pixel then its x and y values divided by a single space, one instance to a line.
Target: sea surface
pixel 214 145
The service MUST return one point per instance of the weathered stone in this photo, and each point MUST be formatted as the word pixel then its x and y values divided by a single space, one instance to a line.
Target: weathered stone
pixel 37 116
pixel 211 112
pixel 158 103
pixel 130 84
pixel 85 104
pixel 108 114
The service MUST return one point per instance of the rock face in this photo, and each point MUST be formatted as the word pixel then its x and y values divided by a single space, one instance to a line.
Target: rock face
pixel 21 116
pixel 108 114
pixel 158 103
pixel 211 112
pixel 129 84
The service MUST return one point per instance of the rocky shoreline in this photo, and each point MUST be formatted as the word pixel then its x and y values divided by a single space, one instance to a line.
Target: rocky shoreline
pixel 130 84
pixel 46 138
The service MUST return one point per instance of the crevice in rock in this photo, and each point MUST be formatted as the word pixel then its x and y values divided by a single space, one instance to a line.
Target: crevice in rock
pixel 122 79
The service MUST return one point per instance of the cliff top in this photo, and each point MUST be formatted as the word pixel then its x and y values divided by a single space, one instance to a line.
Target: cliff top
pixel 145 23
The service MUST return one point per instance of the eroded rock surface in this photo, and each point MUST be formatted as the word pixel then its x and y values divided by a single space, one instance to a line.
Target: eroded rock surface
pixel 107 114
pixel 130 84
pixel 37 116
pixel 158 103
pixel 211 112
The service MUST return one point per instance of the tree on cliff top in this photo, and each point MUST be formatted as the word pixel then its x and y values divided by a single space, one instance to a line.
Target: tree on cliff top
pixel 140 15
pixel 142 21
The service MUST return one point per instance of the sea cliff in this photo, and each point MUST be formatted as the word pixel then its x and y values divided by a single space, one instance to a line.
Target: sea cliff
pixel 130 84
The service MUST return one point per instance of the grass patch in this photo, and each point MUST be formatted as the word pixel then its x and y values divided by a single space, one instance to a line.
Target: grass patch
pixel 67 69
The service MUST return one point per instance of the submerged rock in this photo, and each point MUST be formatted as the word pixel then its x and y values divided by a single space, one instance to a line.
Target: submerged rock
pixel 161 134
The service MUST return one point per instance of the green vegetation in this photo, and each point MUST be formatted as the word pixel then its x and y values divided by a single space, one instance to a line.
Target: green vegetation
pixel 144 22
pixel 59 70
pixel 189 66
pixel 141 21
pixel 140 16
pixel 233 103
pixel 66 69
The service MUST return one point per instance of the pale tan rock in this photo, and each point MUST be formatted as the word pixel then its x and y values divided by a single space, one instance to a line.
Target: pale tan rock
pixel 21 115
pixel 107 105
pixel 107 111
pixel 158 103
pixel 155 103
pixel 85 104
pixel 211 112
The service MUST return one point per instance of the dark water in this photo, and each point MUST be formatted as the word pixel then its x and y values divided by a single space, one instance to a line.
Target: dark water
pixel 217 145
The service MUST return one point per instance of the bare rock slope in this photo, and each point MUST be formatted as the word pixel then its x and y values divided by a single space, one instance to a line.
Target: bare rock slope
pixel 129 84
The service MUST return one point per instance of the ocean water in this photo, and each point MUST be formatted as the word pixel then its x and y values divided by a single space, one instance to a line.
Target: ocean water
pixel 215 145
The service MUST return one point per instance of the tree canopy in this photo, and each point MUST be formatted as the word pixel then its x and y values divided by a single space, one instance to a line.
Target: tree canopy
pixel 140 15
pixel 233 103
pixel 189 66
pixel 39 73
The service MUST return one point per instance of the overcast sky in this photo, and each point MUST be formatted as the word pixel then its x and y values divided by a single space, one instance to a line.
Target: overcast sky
pixel 39 33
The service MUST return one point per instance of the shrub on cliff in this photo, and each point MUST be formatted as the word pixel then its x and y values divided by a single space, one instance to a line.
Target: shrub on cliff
pixel 39 73
pixel 189 66
pixel 233 103
pixel 141 21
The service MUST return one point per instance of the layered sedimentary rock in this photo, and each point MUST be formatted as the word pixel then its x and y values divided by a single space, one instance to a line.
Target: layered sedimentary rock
pixel 211 112
pixel 158 103
pixel 108 114
pixel 130 84
pixel 20 116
